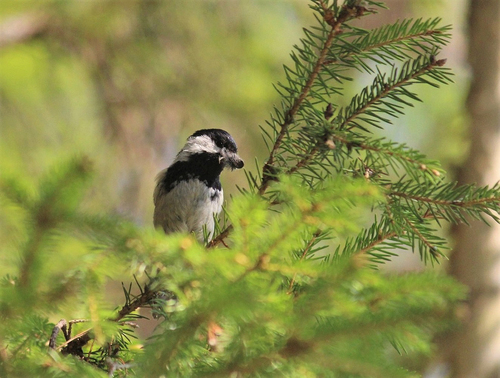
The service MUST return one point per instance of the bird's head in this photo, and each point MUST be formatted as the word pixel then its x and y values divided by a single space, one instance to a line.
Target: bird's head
pixel 215 142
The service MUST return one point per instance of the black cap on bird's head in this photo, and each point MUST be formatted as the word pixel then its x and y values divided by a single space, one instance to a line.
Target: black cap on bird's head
pixel 222 142
pixel 220 137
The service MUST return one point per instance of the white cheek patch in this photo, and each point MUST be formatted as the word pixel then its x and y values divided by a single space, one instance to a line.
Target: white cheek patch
pixel 197 145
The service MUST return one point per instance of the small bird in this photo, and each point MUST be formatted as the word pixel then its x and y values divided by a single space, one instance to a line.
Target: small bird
pixel 188 193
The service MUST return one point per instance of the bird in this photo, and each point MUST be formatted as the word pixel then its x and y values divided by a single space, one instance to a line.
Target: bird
pixel 189 193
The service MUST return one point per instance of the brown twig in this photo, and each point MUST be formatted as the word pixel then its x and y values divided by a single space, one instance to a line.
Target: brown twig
pixel 60 326
pixel 143 299
pixel 73 345
pixel 220 238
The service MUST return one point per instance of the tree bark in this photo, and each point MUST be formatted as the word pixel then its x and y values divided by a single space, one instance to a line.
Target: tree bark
pixel 475 349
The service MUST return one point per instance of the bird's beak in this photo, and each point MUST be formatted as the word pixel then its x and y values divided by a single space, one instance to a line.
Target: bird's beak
pixel 233 161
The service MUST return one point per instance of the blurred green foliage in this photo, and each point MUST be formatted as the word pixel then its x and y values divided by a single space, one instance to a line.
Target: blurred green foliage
pixel 65 257
pixel 125 83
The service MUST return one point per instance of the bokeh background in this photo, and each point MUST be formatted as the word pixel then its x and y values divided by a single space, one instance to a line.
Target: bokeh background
pixel 126 82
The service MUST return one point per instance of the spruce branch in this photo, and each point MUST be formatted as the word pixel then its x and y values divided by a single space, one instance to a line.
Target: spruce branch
pixel 492 202
pixel 384 97
pixel 59 193
pixel 390 88
pixel 425 241
pixel 448 201
pixel 73 344
pixel 390 150
pixel 379 241
pixel 390 312
pixel 382 238
pixel 397 41
pixel 347 12
pixel 262 260
pixel 306 251
pixel 62 325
